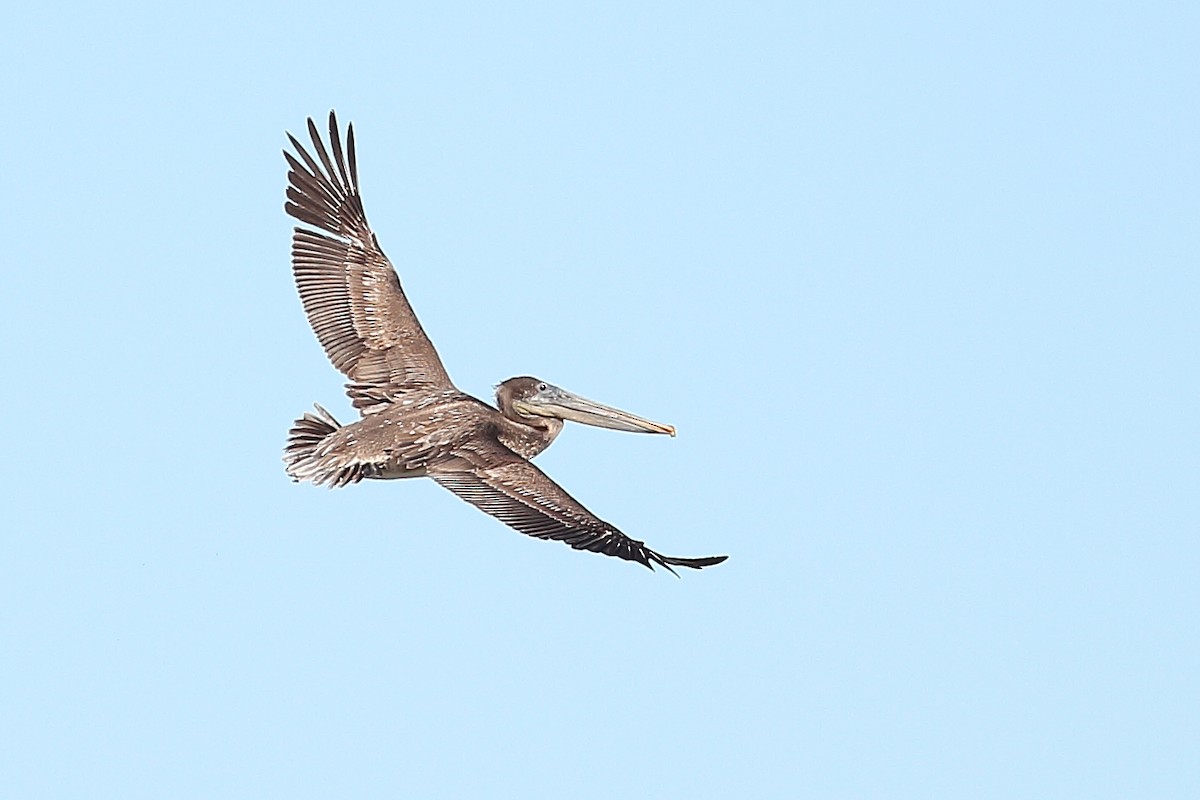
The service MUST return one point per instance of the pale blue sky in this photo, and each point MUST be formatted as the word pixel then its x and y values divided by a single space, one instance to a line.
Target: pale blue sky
pixel 918 285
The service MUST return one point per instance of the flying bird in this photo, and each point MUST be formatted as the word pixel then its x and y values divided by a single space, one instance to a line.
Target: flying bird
pixel 413 421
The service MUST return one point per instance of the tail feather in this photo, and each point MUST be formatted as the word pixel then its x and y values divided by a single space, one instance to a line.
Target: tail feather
pixel 306 458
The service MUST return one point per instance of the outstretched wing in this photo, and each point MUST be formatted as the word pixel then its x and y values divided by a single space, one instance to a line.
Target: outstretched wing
pixel 349 289
pixel 497 481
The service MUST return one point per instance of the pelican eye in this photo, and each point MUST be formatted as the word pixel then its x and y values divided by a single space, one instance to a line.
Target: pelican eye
pixel 541 387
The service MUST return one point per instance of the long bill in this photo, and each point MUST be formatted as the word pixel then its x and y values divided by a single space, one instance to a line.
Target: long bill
pixel 556 402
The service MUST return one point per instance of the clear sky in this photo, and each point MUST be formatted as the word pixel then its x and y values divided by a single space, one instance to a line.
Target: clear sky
pixel 918 284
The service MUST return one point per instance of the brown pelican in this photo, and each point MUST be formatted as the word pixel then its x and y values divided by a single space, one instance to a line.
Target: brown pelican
pixel 414 421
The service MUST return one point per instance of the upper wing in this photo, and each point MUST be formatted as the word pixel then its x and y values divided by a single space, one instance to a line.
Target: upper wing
pixel 492 478
pixel 349 289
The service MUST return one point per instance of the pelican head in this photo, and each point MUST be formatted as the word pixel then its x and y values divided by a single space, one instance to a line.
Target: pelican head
pixel 524 399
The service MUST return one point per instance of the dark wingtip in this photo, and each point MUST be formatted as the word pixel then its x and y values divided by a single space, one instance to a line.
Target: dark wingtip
pixel 662 562
pixel 695 563
pixel 666 562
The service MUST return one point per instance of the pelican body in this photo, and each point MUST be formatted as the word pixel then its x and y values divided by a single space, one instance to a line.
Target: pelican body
pixel 413 421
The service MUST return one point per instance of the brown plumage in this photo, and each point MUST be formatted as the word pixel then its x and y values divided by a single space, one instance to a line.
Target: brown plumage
pixel 414 421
